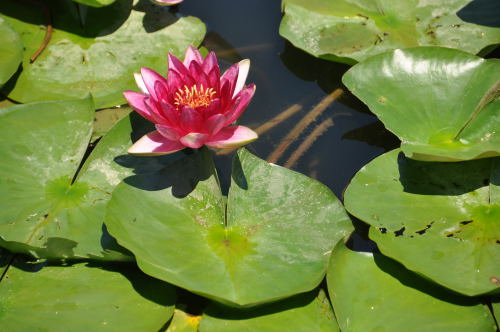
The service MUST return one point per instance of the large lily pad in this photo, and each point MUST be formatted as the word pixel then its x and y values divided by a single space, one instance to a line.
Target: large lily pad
pixel 309 312
pixel 11 51
pixel 83 298
pixel 443 104
pixel 371 292
pixel 350 31
pixel 438 219
pixel 271 241
pixel 43 211
pixel 95 50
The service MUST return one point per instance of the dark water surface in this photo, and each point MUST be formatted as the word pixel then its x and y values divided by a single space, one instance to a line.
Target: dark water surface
pixel 286 76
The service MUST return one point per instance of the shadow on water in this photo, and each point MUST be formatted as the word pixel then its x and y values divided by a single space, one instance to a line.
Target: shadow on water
pixel 482 12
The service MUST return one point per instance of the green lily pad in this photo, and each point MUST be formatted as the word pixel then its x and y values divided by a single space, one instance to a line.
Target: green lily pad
pixel 302 313
pixel 496 309
pixel 105 120
pixel 350 31
pixel 83 298
pixel 11 51
pixel 96 50
pixel 183 322
pixel 443 104
pixel 271 241
pixel 47 211
pixel 371 292
pixel 5 258
pixel 438 219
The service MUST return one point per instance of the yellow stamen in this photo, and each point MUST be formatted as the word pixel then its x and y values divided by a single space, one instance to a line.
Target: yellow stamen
pixel 194 96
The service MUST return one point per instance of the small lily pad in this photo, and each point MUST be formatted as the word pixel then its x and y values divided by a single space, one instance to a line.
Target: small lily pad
pixel 309 312
pixel 52 207
pixel 440 220
pixel 95 50
pixel 443 104
pixel 11 51
pixel 83 298
pixel 348 31
pixel 371 292
pixel 271 241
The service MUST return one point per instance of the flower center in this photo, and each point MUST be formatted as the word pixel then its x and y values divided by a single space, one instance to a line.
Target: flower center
pixel 195 96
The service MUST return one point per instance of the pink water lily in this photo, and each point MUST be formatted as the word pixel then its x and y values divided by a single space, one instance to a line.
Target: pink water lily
pixel 193 106
pixel 166 2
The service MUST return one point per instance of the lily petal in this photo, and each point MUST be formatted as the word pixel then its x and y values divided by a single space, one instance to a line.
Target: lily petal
pixel 154 144
pixel 240 104
pixel 140 83
pixel 194 140
pixel 215 123
pixel 243 68
pixel 166 2
pixel 168 132
pixel 190 119
pixel 150 79
pixel 232 137
pixel 137 101
pixel 192 54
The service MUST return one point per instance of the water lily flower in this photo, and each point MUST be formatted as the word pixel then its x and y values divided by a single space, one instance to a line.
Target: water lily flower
pixel 166 2
pixel 193 106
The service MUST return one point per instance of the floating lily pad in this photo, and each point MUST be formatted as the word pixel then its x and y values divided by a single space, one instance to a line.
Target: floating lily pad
pixel 46 210
pixel 11 51
pixel 438 219
pixel 83 298
pixel 95 50
pixel 350 31
pixel 371 292
pixel 183 322
pixel 105 120
pixel 309 312
pixel 271 241
pixel 443 104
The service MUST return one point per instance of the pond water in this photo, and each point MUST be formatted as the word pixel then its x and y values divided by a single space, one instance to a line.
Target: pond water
pixel 350 136
pixel 344 134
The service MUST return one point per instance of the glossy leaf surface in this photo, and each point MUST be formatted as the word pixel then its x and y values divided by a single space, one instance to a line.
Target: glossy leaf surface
pixel 95 50
pixel 83 298
pixel 371 292
pixel 11 51
pixel 438 219
pixel 309 312
pixel 350 31
pixel 45 210
pixel 443 104
pixel 273 243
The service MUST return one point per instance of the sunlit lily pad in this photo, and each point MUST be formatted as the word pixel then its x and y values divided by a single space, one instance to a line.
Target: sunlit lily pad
pixel 309 312
pixel 371 292
pixel 83 298
pixel 42 211
pixel 95 50
pixel 11 51
pixel 272 240
pixel 438 219
pixel 443 104
pixel 350 31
